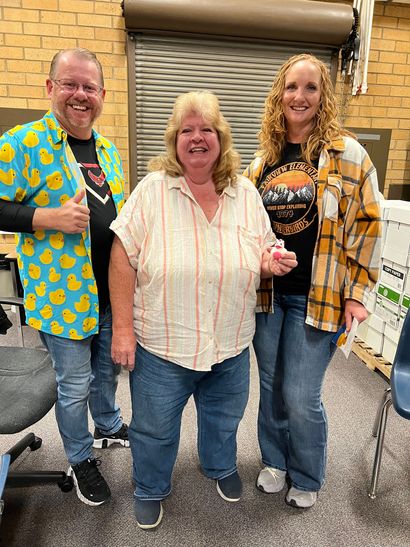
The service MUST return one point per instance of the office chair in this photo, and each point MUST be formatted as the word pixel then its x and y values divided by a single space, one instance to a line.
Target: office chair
pixel 27 392
pixel 397 395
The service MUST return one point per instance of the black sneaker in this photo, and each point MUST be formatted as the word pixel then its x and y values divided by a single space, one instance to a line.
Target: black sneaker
pixel 148 513
pixel 90 484
pixel 230 488
pixel 104 441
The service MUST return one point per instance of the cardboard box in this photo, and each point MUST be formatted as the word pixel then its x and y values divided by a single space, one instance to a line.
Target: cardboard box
pixel 374 339
pixel 388 311
pixel 394 275
pixel 397 243
pixel 389 350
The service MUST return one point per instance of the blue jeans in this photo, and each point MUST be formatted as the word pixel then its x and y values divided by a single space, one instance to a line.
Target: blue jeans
pixel 159 393
pixel 292 360
pixel 86 376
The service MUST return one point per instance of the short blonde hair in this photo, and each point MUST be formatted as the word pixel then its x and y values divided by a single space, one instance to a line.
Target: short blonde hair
pixel 326 127
pixel 79 52
pixel 206 104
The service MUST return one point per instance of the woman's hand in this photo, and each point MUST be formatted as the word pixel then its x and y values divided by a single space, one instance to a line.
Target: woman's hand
pixel 123 346
pixel 280 265
pixel 353 308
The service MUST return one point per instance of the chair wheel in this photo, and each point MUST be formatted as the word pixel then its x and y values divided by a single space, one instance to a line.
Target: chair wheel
pixel 67 484
pixel 35 445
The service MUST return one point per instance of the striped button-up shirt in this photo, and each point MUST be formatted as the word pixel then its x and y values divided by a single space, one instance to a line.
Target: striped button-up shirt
pixel 346 258
pixel 195 295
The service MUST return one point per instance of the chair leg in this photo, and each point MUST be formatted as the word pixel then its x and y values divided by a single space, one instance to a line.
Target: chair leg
pixel 29 441
pixel 22 479
pixel 379 411
pixel 381 430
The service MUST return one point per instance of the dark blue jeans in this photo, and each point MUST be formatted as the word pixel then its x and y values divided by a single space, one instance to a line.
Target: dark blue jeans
pixel 159 392
pixel 292 360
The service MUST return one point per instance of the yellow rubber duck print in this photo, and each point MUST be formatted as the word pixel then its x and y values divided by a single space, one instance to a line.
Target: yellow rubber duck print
pixel 69 316
pixel 56 146
pixel 26 166
pixel 93 288
pixel 54 181
pixel 57 297
pixel 7 177
pixel 14 130
pixel 87 271
pixel 30 301
pixel 57 240
pixel 65 169
pixel 72 283
pixel 28 246
pixel 67 261
pixel 51 124
pixel 120 205
pixel 25 283
pixel 38 126
pixel 63 198
pixel 83 304
pixel 42 199
pixel 31 139
pixel 34 271
pixel 116 157
pixel 7 152
pixel 56 328
pixel 19 262
pixel 35 323
pixel 34 179
pixel 46 311
pixel 41 289
pixel 46 157
pixel 73 334
pixel 53 276
pixel 46 256
pixel 89 323
pixel 106 155
pixel 115 186
pixel 20 194
pixel 80 249
pixel 39 234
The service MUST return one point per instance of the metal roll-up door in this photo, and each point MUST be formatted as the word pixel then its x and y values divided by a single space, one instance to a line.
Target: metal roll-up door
pixel 239 72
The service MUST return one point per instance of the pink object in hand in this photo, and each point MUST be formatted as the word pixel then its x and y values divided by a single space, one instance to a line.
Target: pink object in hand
pixel 278 249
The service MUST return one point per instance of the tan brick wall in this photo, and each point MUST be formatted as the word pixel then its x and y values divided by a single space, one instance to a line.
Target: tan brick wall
pixel 387 101
pixel 33 30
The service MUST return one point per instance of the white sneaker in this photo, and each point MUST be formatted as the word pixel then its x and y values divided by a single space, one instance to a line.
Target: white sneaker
pixel 300 498
pixel 271 480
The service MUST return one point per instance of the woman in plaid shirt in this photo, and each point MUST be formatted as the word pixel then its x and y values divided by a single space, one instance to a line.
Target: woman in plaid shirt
pixel 320 191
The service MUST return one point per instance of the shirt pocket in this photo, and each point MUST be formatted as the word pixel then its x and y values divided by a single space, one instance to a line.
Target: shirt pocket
pixel 250 247
pixel 336 198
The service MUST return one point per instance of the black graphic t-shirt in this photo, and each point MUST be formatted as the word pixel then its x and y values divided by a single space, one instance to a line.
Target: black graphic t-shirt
pixel 288 191
pixel 102 212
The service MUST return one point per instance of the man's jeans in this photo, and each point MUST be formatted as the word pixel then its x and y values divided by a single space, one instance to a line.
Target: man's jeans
pixel 292 360
pixel 159 392
pixel 85 376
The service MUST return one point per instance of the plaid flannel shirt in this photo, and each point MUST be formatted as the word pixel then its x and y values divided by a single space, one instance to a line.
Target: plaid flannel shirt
pixel 346 258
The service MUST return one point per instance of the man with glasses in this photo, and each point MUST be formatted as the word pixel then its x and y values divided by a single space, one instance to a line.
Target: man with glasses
pixel 61 185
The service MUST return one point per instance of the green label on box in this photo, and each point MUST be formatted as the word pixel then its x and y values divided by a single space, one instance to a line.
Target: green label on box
pixel 406 301
pixel 388 293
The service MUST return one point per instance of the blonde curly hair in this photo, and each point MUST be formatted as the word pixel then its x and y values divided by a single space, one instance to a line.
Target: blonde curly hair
pixel 326 126
pixel 206 104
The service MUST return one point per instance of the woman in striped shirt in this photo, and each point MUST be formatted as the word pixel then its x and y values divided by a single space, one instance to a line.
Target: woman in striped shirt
pixel 191 244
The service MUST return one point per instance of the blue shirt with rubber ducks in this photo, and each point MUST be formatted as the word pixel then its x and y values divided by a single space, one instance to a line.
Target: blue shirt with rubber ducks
pixel 38 168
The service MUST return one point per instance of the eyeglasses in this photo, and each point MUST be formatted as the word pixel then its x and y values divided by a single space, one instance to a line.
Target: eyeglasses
pixel 71 87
